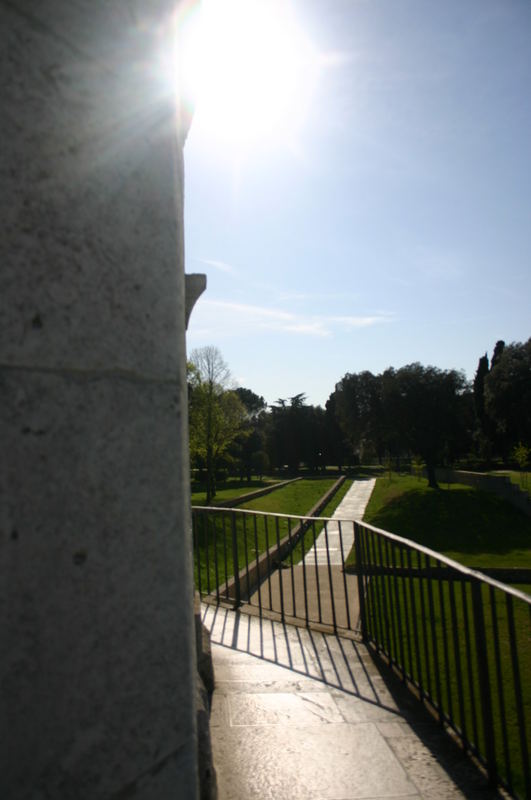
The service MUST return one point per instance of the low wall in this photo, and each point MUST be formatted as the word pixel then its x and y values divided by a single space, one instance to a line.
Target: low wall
pixel 249 577
pixel 499 484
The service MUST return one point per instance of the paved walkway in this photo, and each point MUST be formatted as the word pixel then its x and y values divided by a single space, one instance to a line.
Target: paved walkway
pixel 317 590
pixel 300 715
pixel 351 507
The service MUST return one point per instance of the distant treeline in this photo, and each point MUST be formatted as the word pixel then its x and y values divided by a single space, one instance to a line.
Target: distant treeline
pixel 432 415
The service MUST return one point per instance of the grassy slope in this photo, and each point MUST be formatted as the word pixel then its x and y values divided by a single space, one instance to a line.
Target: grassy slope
pixel 473 527
pixel 230 489
pixel 296 498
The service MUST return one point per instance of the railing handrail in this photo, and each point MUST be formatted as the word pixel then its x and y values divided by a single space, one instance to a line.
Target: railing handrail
pixel 471 573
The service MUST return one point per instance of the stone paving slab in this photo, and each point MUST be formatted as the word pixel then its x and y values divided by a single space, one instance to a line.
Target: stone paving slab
pixel 307 590
pixel 300 715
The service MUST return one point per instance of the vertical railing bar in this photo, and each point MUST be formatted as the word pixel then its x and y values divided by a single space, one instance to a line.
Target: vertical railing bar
pixel 384 596
pixel 484 681
pixel 379 629
pixel 340 534
pixel 257 555
pixel 445 644
pixel 291 567
pixel 332 599
pixel 246 551
pixel 471 685
pixel 266 529
pixel 420 678
pixel 304 578
pixel 433 627
pixel 429 692
pixel 235 559
pixel 374 608
pixel 216 564
pixel 195 539
pixel 225 558
pixel 406 612
pixel 518 695
pixel 206 529
pixel 279 570
pixel 317 572
pixel 393 613
pixel 398 614
pixel 499 681
pixel 457 659
pixel 372 618
pixel 360 573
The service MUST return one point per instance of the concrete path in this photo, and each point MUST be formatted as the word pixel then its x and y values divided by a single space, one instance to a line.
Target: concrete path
pixel 316 590
pixel 300 715
pixel 351 507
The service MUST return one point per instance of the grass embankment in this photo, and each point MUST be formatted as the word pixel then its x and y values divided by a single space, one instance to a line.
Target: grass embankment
pixel 254 533
pixel 231 489
pixel 478 529
pixel 473 527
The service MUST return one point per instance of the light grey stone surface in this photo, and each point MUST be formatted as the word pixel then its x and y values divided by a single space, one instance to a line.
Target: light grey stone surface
pixel 97 674
pixel 92 221
pixel 305 715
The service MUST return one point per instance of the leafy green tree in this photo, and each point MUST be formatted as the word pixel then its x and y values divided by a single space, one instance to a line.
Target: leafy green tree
pixel 508 396
pixel 358 409
pixel 430 413
pixel 217 415
pixel 260 463
pixel 499 347
pixel 479 388
pixel 335 449
pixel 252 436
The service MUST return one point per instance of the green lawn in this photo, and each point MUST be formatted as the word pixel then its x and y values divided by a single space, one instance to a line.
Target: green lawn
pixel 474 527
pixel 295 498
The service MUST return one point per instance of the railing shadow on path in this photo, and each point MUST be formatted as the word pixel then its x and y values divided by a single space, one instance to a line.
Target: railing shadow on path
pixel 346 666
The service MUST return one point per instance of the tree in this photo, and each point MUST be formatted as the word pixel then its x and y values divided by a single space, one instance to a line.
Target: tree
pixel 508 396
pixel 260 463
pixel 429 413
pixel 254 403
pixel 252 436
pixel 217 415
pixel 479 388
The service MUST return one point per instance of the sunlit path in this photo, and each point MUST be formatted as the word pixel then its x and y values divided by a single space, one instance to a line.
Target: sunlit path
pixel 297 714
pixel 318 589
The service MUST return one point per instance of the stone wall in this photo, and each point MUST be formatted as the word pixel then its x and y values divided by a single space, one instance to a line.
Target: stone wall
pixel 499 484
pixel 97 630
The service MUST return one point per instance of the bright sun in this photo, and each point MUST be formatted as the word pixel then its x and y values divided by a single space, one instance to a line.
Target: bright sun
pixel 250 70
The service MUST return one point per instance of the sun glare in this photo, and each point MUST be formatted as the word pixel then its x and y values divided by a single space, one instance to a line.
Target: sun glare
pixel 249 69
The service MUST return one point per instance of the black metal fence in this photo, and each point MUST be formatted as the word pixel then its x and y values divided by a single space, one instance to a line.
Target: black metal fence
pixel 459 639
pixel 289 567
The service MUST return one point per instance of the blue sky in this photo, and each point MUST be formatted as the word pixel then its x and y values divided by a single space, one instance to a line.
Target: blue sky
pixel 393 224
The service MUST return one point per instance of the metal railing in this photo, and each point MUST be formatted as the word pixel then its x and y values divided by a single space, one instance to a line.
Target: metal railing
pixel 460 640
pixel 289 567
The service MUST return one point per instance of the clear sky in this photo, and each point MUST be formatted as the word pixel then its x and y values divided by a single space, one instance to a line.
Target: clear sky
pixel 384 214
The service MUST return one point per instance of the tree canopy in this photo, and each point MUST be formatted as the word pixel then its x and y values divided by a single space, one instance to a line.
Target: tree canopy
pixel 421 412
